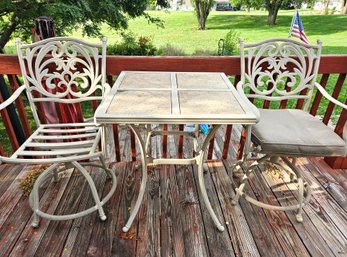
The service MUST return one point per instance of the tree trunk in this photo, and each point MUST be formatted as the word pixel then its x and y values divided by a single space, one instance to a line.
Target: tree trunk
pixel 344 9
pixel 202 23
pixel 202 9
pixel 272 8
pixel 6 35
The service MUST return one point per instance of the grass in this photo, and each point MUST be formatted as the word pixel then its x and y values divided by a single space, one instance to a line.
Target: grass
pixel 181 29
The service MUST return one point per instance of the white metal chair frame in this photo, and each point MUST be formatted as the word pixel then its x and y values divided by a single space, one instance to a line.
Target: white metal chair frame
pixel 276 55
pixel 66 143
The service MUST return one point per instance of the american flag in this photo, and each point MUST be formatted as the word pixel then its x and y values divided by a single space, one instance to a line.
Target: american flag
pixel 297 30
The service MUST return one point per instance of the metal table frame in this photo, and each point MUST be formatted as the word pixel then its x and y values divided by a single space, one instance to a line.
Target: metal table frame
pixel 134 124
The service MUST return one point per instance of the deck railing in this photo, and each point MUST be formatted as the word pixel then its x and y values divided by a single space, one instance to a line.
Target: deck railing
pixel 333 69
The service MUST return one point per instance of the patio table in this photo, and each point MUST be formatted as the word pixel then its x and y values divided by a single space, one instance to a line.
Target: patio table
pixel 141 98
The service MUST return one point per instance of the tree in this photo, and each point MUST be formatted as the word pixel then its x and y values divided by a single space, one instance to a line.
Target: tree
pixel 248 4
pixel 16 17
pixel 202 9
pixel 343 6
pixel 272 6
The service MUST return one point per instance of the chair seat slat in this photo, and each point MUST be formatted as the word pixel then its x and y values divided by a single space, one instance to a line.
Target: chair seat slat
pixel 57 137
pixel 60 144
pixel 54 152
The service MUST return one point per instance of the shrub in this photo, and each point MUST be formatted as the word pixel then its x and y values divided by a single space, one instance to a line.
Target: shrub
pixel 132 45
pixel 202 52
pixel 231 43
pixel 170 50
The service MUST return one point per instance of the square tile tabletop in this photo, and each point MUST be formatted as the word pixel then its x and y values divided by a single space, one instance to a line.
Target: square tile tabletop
pixel 140 97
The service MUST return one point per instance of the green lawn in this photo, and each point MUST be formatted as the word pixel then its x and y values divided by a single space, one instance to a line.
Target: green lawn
pixel 180 29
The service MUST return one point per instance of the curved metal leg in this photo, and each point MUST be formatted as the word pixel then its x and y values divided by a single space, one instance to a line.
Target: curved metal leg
pixel 304 191
pixel 34 195
pixel 148 150
pixel 143 181
pixel 201 178
pixel 300 199
pixel 55 175
pixel 92 188
pixel 239 190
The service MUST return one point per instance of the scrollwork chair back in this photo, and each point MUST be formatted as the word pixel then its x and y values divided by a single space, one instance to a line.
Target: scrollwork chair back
pixel 278 69
pixel 63 70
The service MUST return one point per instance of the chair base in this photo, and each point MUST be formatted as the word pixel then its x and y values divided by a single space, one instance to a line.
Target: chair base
pixel 304 190
pixel 53 170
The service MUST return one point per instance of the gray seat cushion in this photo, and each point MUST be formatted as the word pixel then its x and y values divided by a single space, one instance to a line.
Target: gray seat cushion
pixel 295 133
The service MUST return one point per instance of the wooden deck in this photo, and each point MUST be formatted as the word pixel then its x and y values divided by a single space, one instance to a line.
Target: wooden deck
pixel 173 221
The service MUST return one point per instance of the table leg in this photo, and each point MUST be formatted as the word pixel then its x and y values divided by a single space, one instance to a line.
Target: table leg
pixel 143 180
pixel 201 177
pixel 199 160
pixel 239 190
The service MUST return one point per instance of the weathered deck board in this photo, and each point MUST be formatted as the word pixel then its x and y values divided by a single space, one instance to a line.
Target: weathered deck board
pixel 262 230
pixel 100 243
pixel 80 231
pixel 238 228
pixel 30 239
pixel 173 220
pixel 219 244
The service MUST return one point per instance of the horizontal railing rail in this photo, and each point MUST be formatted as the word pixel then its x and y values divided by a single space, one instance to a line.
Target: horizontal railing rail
pixel 333 70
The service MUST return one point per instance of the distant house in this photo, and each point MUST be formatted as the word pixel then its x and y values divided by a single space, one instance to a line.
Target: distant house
pixel 176 5
pixel 321 5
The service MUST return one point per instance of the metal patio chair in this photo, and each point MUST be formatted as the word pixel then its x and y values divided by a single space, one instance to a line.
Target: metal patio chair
pixel 52 69
pixel 285 70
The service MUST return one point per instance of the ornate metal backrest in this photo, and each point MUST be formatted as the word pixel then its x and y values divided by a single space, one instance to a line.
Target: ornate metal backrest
pixel 279 68
pixel 64 70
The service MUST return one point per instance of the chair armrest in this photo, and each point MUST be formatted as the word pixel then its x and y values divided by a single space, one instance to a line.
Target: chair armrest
pixel 13 97
pixel 329 97
pixel 244 97
pixel 107 88
pixel 106 92
pixel 338 103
